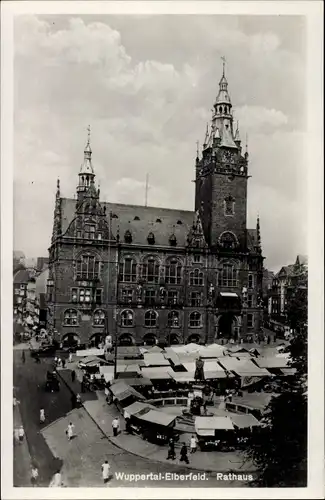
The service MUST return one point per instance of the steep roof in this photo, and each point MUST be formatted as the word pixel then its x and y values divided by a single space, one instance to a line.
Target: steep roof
pixel 21 276
pixel 140 220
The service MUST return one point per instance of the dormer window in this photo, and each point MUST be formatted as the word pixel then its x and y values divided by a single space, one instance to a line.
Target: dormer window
pixel 128 236
pixel 136 218
pixel 179 222
pixel 158 220
pixel 173 240
pixel 151 239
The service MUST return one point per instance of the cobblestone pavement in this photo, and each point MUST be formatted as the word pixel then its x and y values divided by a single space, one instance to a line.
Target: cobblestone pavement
pixel 83 455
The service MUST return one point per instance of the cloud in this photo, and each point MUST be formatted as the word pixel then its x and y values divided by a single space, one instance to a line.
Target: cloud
pixel 146 87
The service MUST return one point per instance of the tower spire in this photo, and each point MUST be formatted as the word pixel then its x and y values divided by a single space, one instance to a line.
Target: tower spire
pixel 258 232
pixel 223 65
pixel 86 173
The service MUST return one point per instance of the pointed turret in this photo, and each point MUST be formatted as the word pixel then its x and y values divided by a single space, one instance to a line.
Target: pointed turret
pixel 86 173
pixel 206 138
pixel 258 234
pixel 57 212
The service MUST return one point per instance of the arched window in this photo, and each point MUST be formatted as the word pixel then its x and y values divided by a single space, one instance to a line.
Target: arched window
pixel 229 206
pixel 196 277
pixel 173 319
pixel 195 320
pixel 151 238
pixel 88 267
pixel 150 270
pixel 128 236
pixel 228 275
pixel 173 272
pixel 128 270
pixel 150 318
pixel 127 318
pixel 99 318
pixel 228 240
pixel 71 317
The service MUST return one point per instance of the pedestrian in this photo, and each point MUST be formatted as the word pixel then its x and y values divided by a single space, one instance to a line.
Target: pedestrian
pixel 34 475
pixel 37 358
pixel 115 425
pixel 59 362
pixel 73 376
pixel 70 357
pixel 184 457
pixel 171 449
pixel 42 416
pixel 56 480
pixel 193 444
pixel 21 434
pixel 204 407
pixel 268 339
pixel 55 361
pixel 23 357
pixel 78 400
pixel 105 471
pixel 70 431
pixel 63 362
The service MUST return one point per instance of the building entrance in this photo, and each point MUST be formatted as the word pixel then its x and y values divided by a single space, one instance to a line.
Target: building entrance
pixel 228 326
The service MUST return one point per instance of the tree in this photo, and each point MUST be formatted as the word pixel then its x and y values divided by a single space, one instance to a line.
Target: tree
pixel 279 448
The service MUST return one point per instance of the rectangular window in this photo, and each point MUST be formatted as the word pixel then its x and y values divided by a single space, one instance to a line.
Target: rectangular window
pixel 74 294
pixel 78 234
pixel 196 299
pixel 88 295
pixel 99 236
pixel 19 300
pixel 127 294
pixel 172 297
pixel 90 231
pixel 17 291
pixel 128 270
pixel 98 296
pixel 250 320
pixel 150 297
pixel 250 281
pixel 250 300
pixel 197 258
pixel 81 295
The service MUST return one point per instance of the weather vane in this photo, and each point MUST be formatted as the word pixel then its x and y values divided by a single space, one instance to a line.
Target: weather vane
pixel 223 64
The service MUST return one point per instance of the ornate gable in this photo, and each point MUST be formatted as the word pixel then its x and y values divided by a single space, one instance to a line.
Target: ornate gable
pixel 195 236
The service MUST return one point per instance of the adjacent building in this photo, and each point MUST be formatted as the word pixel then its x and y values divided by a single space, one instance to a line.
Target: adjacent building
pixel 281 288
pixel 149 274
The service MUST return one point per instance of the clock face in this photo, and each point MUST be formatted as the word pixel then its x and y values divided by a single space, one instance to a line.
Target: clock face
pixel 227 155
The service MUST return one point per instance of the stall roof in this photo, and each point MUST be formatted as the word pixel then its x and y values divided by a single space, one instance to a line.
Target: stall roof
pixel 121 391
pixel 244 420
pixel 243 367
pixel 92 360
pixel 172 356
pixel 288 371
pixel 228 294
pixel 90 352
pixel 139 381
pixel 257 401
pixel 183 376
pixel 138 407
pixel 213 423
pixel 209 375
pixel 155 359
pixel 106 369
pixel 272 362
pixel 157 373
pixel 158 417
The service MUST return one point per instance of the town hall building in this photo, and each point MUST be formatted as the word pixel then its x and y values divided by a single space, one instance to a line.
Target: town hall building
pixel 149 275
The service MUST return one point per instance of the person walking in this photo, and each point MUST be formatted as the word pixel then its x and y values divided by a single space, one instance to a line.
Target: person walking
pixel 23 357
pixel 105 471
pixel 78 400
pixel 34 475
pixel 171 449
pixel 70 357
pixel 56 480
pixel 70 431
pixel 59 362
pixel 115 425
pixel 42 416
pixel 21 434
pixel 73 376
pixel 193 444
pixel 184 457
pixel 63 362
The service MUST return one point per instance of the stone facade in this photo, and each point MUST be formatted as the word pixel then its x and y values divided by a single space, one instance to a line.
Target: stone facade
pixel 148 275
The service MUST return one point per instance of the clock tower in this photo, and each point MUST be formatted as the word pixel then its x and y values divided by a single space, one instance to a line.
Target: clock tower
pixel 221 178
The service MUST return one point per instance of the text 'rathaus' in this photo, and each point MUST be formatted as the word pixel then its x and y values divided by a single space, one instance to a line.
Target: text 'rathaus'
pixel 157 275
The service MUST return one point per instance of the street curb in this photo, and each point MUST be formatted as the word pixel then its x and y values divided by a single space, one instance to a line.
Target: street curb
pixel 189 466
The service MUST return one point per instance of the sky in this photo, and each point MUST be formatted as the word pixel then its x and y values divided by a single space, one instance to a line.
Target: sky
pixel 146 86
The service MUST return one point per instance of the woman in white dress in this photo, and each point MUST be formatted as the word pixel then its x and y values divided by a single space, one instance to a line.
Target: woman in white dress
pixel 70 431
pixel 106 471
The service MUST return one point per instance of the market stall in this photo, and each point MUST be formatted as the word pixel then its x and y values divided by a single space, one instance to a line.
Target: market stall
pixel 157 427
pixel 215 432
